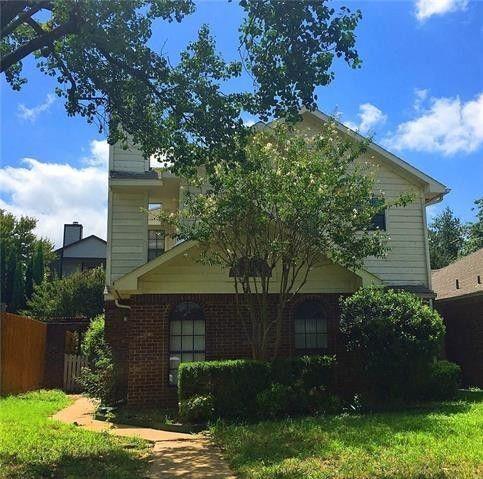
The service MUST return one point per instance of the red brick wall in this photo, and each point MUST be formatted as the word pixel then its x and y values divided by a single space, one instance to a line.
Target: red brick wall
pixel 464 336
pixel 141 344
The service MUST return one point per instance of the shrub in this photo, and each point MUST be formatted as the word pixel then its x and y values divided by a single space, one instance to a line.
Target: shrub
pixel 80 294
pixel 234 384
pixel 395 339
pixel 247 388
pixel 276 401
pixel 197 410
pixel 99 377
pixel 443 380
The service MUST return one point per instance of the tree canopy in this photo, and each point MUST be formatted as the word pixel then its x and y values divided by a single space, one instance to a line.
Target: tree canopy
pixel 272 219
pixel 446 238
pixel 23 259
pixel 177 110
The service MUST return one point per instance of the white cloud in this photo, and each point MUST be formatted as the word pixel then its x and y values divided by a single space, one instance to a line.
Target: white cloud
pixel 31 114
pixel 99 154
pixel 57 193
pixel 444 125
pixel 427 8
pixel 370 116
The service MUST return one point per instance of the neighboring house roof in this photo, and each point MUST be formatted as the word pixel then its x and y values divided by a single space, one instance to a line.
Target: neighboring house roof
pixel 71 245
pixel 460 279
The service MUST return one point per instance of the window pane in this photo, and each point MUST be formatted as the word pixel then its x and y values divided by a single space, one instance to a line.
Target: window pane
pixel 187 344
pixel 186 357
pixel 310 325
pixel 311 340
pixel 199 343
pixel 199 327
pixel 321 325
pixel 199 356
pixel 187 327
pixel 175 327
pixel 321 340
pixel 299 326
pixel 300 341
pixel 175 343
pixel 174 361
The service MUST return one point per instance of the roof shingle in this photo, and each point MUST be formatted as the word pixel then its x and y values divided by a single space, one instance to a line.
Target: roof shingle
pixel 459 278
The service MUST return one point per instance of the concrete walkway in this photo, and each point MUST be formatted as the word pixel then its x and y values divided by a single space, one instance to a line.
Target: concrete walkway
pixel 174 455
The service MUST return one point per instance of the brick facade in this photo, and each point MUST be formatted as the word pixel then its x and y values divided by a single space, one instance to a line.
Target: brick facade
pixel 139 338
pixel 464 336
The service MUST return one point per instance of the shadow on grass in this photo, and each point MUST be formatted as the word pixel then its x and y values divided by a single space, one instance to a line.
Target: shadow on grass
pixel 273 442
pixel 113 465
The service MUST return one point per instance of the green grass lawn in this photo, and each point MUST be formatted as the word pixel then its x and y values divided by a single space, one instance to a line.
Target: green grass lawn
pixel 34 446
pixel 443 441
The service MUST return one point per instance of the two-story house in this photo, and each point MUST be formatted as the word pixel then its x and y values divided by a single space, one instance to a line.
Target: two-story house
pixel 163 307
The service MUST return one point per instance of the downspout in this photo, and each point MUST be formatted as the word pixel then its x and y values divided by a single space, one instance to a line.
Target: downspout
pixel 118 299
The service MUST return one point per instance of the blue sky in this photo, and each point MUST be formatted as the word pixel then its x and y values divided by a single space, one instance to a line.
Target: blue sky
pixel 420 90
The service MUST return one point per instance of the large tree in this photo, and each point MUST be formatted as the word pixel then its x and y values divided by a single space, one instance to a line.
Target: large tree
pixel 20 246
pixel 446 239
pixel 474 231
pixel 271 220
pixel 176 111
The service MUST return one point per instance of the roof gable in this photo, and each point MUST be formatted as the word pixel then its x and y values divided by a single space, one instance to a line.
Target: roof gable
pixel 434 190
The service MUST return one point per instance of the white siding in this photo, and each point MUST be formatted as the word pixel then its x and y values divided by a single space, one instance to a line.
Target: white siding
pixel 183 274
pixel 406 261
pixel 128 224
pixel 128 160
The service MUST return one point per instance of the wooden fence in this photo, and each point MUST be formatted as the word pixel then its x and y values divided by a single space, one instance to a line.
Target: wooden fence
pixel 73 363
pixel 22 353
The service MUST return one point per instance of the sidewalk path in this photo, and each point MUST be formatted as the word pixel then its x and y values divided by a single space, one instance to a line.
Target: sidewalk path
pixel 174 455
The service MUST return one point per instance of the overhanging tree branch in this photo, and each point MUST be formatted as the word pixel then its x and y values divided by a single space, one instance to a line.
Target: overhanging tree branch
pixel 36 44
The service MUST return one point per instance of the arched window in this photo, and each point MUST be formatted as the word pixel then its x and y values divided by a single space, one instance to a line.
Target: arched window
pixel 310 326
pixel 186 337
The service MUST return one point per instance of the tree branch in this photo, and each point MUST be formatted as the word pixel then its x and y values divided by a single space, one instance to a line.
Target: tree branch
pixel 36 44
pixel 23 17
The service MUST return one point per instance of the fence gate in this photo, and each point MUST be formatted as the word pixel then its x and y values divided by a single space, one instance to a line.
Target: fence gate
pixel 73 363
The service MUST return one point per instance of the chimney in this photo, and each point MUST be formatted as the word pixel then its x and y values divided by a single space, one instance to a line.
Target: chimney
pixel 72 233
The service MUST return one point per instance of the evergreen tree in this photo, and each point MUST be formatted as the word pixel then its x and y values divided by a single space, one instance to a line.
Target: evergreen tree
pixel 38 268
pixel 474 240
pixel 446 239
pixel 29 281
pixel 18 289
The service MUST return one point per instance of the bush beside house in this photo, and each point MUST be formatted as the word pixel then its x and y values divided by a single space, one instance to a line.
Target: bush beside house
pixel 396 340
pixel 249 389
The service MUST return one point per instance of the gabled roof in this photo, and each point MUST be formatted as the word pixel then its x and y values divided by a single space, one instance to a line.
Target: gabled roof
pixel 466 270
pixel 58 250
pixel 129 282
pixel 434 190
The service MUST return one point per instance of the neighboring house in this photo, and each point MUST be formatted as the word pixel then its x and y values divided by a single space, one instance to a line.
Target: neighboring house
pixel 163 307
pixel 78 253
pixel 459 289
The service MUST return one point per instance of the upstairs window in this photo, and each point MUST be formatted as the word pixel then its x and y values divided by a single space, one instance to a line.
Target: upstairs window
pixel 379 219
pixel 310 326
pixel 186 337
pixel 155 243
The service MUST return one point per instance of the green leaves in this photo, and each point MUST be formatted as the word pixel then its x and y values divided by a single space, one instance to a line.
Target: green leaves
pixel 184 113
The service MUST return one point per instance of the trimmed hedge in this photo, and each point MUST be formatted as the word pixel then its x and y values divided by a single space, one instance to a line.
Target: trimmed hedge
pixel 235 385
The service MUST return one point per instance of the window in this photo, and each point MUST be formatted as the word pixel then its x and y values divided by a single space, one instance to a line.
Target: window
pixel 155 243
pixel 310 326
pixel 186 337
pixel 379 219
pixel 478 279
pixel 457 284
